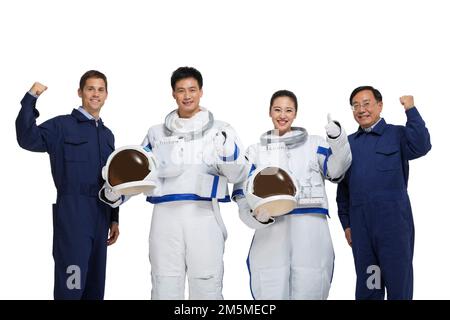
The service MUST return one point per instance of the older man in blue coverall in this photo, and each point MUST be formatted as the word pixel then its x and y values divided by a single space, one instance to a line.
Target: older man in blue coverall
pixel 79 145
pixel 373 202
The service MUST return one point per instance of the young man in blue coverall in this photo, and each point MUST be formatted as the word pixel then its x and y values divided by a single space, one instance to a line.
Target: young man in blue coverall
pixel 373 202
pixel 79 145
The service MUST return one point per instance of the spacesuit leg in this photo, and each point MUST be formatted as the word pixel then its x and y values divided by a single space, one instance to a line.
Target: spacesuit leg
pixel 312 257
pixel 204 251
pixel 167 253
pixel 268 261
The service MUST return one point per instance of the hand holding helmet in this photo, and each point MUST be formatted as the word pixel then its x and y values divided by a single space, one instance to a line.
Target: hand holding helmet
pixel 262 215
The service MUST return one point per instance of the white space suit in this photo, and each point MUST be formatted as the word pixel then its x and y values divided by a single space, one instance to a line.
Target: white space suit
pixel 291 256
pixel 196 158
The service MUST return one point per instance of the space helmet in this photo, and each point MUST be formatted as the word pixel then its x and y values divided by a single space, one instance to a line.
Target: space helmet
pixel 273 189
pixel 131 170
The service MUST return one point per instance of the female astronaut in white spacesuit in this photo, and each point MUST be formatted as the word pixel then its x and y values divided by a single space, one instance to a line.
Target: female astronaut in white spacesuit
pixel 291 255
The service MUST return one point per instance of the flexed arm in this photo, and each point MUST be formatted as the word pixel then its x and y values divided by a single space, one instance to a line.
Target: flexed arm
pixel 416 142
pixel 30 136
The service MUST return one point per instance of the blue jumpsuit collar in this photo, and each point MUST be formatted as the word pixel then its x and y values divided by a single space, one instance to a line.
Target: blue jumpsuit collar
pixel 378 129
pixel 82 118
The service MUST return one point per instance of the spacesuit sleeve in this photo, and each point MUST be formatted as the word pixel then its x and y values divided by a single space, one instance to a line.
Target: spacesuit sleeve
pixel 416 142
pixel 245 213
pixel 31 137
pixel 343 200
pixel 232 164
pixel 238 191
pixel 246 216
pixel 335 157
pixel 238 188
pixel 146 142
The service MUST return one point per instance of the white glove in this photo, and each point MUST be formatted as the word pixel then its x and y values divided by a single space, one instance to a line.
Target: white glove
pixel 262 215
pixel 109 197
pixel 224 144
pixel 333 128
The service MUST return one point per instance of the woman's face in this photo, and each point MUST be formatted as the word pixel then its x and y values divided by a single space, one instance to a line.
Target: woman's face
pixel 283 114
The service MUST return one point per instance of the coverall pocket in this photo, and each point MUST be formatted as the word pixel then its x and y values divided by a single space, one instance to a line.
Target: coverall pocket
pixel 388 158
pixel 75 149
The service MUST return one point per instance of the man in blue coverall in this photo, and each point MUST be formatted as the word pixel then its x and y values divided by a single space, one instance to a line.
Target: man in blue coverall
pixel 78 145
pixel 373 202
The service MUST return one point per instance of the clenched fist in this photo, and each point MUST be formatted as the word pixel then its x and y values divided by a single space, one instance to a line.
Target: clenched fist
pixel 407 102
pixel 38 88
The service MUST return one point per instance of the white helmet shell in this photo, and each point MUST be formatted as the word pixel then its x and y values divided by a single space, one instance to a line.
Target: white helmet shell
pixel 131 170
pixel 273 189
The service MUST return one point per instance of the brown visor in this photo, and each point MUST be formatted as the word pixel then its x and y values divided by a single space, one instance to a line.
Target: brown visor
pixel 273 181
pixel 128 166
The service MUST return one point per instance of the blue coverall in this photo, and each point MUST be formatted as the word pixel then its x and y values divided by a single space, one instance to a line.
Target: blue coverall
pixel 373 201
pixel 78 149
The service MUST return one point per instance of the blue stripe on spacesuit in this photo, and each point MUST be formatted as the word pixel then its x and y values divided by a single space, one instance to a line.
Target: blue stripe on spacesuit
pixel 309 210
pixel 332 271
pixel 237 192
pixel 183 197
pixel 327 153
pixel 251 170
pixel 148 147
pixel 214 187
pixel 234 156
pixel 248 267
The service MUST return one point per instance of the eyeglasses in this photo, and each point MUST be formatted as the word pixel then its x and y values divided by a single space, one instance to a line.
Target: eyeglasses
pixel 366 105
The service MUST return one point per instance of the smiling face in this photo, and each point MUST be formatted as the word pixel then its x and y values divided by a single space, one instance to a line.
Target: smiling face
pixel 282 112
pixel 93 96
pixel 366 109
pixel 187 94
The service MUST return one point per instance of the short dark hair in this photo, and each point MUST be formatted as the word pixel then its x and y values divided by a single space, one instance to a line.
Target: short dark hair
pixel 284 93
pixel 375 92
pixel 92 74
pixel 186 72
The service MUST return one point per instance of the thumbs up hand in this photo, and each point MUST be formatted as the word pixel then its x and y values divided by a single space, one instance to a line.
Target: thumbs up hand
pixel 333 128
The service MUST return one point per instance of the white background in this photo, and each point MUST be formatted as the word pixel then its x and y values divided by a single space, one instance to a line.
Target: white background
pixel 245 50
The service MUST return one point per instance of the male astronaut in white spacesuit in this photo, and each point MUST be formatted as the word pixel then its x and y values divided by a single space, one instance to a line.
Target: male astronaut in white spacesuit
pixel 291 255
pixel 196 157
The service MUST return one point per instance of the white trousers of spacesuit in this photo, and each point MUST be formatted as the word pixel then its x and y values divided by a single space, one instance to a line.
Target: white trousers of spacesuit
pixel 186 240
pixel 292 259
